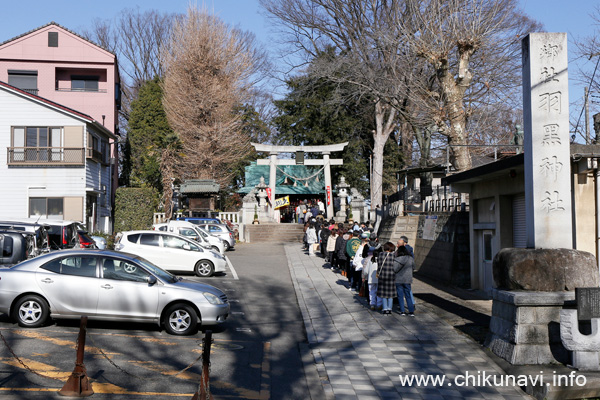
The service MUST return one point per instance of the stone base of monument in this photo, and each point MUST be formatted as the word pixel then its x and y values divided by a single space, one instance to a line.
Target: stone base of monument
pixel 525 327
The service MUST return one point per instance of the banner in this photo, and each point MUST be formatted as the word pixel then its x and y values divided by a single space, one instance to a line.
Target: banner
pixel 269 196
pixel 328 195
pixel 282 202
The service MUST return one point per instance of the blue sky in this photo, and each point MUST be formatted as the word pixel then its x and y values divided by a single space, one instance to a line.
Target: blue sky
pixel 571 16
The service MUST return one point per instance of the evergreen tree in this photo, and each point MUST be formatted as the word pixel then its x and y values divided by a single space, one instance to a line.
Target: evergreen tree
pixel 316 112
pixel 149 134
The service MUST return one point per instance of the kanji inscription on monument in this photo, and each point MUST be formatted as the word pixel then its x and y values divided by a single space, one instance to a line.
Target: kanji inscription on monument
pixel 588 303
pixel 546 140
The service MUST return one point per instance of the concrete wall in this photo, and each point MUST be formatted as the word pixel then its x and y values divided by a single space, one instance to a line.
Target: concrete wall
pixel 441 244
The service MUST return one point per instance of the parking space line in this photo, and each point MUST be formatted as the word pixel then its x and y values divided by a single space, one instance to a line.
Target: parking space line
pixel 230 265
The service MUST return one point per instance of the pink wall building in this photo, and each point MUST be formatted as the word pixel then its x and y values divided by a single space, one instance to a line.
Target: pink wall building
pixel 59 65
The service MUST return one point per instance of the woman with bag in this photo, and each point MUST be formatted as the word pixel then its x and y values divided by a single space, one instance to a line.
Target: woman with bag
pixel 386 285
pixel 311 238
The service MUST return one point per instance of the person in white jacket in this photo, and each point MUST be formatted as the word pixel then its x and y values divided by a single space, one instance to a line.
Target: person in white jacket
pixel 311 238
pixel 369 273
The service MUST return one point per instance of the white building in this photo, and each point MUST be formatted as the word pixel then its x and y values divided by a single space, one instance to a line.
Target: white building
pixel 55 161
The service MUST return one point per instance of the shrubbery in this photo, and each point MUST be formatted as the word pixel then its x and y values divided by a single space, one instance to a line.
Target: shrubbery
pixel 134 208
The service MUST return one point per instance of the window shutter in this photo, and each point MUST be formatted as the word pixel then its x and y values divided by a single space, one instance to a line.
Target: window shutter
pixel 74 136
pixel 73 209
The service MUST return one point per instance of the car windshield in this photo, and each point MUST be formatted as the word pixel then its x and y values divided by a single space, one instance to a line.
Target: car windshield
pixel 157 271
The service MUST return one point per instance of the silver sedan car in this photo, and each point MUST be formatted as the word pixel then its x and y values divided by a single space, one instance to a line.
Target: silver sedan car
pixel 107 285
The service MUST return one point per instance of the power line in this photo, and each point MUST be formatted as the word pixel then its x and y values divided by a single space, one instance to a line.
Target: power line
pixel 587 95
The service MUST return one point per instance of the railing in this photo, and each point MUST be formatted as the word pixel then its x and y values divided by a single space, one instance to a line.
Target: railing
pixel 93 154
pixel 32 91
pixel 426 199
pixel 81 90
pixel 45 156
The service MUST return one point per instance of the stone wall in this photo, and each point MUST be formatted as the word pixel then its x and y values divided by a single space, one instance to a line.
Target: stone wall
pixel 440 242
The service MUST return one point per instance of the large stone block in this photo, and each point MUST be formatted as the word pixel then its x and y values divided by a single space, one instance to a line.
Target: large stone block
pixel 544 269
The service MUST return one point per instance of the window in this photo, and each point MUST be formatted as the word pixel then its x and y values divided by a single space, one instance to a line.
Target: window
pixel 49 207
pixel 37 144
pixel 150 240
pixel 84 83
pixel 177 243
pixel 77 266
pixel 133 238
pixel 7 246
pixel 188 233
pixel 52 39
pixel 23 79
pixel 123 271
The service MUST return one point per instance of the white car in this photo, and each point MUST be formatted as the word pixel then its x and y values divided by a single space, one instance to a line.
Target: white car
pixel 192 231
pixel 171 252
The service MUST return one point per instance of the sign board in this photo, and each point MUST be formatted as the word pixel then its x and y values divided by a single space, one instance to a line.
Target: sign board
pixel 429 227
pixel 588 303
pixel 328 189
pixel 269 195
pixel 282 202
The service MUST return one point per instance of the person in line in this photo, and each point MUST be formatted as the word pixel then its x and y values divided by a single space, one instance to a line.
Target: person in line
pixel 404 266
pixel 369 274
pixel 331 248
pixel 311 238
pixel 386 287
pixel 357 261
pixel 351 247
pixel 403 243
pixel 340 249
pixel 323 238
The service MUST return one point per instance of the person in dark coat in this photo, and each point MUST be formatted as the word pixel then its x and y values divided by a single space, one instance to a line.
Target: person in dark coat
pixel 386 286
pixel 404 265
pixel 340 250
pixel 325 233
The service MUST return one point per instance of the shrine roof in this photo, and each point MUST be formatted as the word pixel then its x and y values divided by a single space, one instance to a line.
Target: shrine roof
pixel 286 176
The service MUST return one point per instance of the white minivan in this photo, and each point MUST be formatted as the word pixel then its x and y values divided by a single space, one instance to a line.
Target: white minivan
pixel 171 251
pixel 192 231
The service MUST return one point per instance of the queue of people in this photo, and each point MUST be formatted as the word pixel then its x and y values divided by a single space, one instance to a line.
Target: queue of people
pixel 384 272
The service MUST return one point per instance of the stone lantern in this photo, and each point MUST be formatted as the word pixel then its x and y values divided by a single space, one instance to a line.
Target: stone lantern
pixel 262 193
pixel 342 188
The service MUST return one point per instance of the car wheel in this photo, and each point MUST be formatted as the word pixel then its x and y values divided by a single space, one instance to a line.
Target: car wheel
pixel 227 246
pixel 32 311
pixel 180 319
pixel 130 269
pixel 204 268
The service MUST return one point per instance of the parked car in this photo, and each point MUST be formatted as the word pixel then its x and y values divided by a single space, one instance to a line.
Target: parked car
pixel 86 241
pixel 39 244
pixel 198 220
pixel 14 246
pixel 107 285
pixel 100 242
pixel 191 231
pixel 171 252
pixel 64 233
pixel 221 231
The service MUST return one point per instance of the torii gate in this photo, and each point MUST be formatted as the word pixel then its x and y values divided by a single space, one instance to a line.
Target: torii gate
pixel 273 162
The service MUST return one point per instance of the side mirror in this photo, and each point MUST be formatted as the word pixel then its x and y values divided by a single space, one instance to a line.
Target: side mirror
pixel 151 279
pixel 186 247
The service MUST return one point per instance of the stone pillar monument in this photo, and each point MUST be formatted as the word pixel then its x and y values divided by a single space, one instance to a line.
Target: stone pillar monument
pixel 272 183
pixel 342 189
pixel 546 141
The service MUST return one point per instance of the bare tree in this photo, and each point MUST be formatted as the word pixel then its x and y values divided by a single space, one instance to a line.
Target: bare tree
pixel 473 47
pixel 137 38
pixel 209 71
pixel 355 33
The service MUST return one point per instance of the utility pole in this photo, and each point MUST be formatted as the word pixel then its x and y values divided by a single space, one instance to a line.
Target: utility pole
pixel 587 117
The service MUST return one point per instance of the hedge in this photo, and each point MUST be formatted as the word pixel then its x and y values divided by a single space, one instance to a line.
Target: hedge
pixel 134 208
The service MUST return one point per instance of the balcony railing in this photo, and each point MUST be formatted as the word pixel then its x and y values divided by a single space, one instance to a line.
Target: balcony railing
pixel 93 154
pixel 32 91
pixel 46 156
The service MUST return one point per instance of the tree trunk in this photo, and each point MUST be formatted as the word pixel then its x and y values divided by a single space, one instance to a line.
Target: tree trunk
pixel 384 125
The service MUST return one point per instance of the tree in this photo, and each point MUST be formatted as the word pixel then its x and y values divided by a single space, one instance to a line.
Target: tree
pixel 312 114
pixel 148 135
pixel 208 73
pixel 473 47
pixel 352 33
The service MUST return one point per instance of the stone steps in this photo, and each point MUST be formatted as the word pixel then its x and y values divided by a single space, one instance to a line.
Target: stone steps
pixel 274 233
